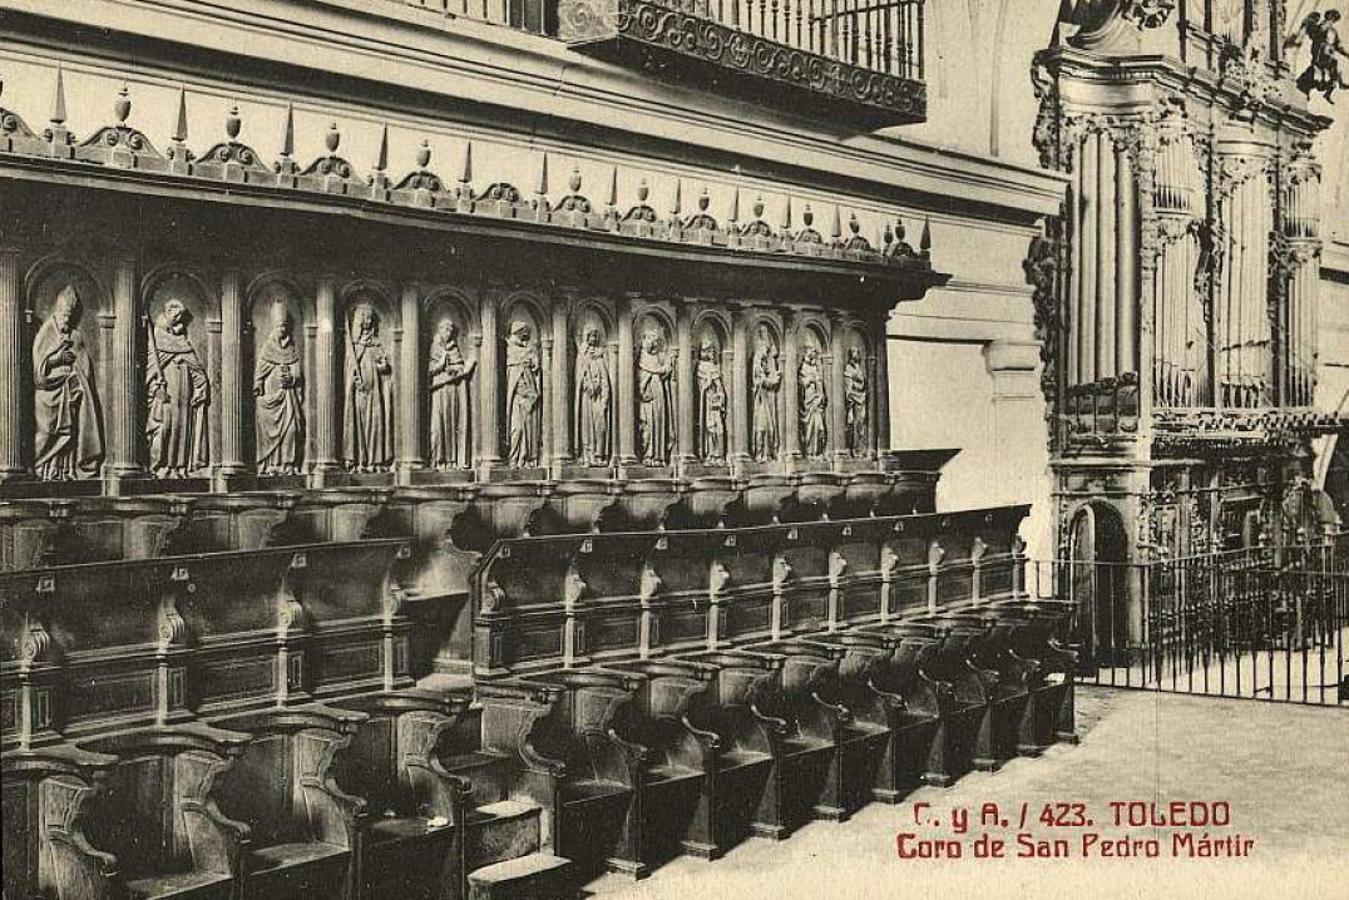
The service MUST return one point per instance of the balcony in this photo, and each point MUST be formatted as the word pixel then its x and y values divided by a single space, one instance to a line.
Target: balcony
pixel 855 63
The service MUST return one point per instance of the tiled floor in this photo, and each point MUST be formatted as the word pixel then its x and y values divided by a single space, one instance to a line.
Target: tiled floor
pixel 1283 770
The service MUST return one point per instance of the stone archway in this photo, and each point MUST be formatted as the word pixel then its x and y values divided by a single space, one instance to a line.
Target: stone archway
pixel 1098 579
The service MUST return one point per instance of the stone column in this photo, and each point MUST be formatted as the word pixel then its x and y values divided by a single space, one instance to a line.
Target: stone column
pixel 686 388
pixel 737 379
pixel 838 406
pixel 880 403
pixel 627 387
pixel 489 438
pixel 126 388
pixel 232 379
pixel 410 419
pixel 562 390
pixel 791 393
pixel 11 362
pixel 325 387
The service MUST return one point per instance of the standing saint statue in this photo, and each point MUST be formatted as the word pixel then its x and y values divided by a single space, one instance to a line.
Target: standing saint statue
pixel 278 386
pixel 179 393
pixel 448 376
pixel 368 412
pixel 855 402
pixel 655 402
pixel 524 391
pixel 813 401
pixel 711 405
pixel 593 401
pixel 766 380
pixel 69 440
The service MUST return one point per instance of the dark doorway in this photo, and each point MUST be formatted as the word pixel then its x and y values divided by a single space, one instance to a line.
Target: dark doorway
pixel 1098 577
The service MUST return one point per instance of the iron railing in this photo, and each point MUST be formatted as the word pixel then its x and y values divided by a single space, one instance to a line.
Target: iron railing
pixel 1263 622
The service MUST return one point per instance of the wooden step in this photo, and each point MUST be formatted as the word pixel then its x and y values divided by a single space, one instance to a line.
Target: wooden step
pixel 538 876
pixel 500 831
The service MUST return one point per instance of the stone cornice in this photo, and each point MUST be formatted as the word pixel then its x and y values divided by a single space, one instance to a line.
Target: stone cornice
pixel 471 74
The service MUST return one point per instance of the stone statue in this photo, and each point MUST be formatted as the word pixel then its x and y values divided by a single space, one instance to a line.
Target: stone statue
pixel 711 405
pixel 1323 72
pixel 524 391
pixel 655 401
pixel 278 386
pixel 367 444
pixel 813 400
pixel 766 380
pixel 594 392
pixel 448 375
pixel 179 394
pixel 855 402
pixel 69 440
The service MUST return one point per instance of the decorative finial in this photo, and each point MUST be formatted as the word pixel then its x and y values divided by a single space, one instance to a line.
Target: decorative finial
pixel 887 235
pixel 288 133
pixel 925 242
pixel 382 152
pixel 853 225
pixel 677 202
pixel 808 216
pixel 787 214
pixel 899 228
pixel 121 107
pixel 612 201
pixel 703 200
pixel 232 121
pixel 541 185
pixel 180 126
pixel 836 227
pixel 424 154
pixel 643 191
pixel 574 181
pixel 734 215
pixel 466 170
pixel 333 139
pixel 59 100
pixel 758 207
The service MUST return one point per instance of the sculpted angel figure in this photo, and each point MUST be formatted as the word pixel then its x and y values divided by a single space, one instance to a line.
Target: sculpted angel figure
pixel 448 375
pixel 69 439
pixel 179 393
pixel 593 401
pixel 711 404
pixel 1323 72
pixel 765 380
pixel 368 444
pixel 655 398
pixel 524 390
pixel 855 401
pixel 813 401
pixel 278 389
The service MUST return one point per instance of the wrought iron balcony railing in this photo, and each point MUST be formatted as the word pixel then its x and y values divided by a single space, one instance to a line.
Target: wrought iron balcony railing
pixel 858 61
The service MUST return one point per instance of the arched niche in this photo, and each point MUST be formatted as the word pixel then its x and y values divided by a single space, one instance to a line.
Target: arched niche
pixel 592 368
pixel 653 333
pixel 278 360
pixel 180 337
pixel 369 334
pixel 763 376
pixel 448 358
pixel 523 376
pixel 65 382
pixel 711 390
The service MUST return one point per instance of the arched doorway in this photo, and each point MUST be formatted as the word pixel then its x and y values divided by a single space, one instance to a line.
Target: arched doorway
pixel 1098 579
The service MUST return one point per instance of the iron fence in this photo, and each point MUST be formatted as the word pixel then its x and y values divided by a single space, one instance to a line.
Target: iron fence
pixel 1264 622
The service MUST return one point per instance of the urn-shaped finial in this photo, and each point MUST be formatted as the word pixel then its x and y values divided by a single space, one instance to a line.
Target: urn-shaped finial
pixel 424 154
pixel 233 124
pixel 121 107
pixel 333 139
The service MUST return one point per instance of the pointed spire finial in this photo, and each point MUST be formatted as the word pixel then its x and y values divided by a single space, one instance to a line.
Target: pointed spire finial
pixel 734 215
pixel 382 152
pixel 676 203
pixel 288 132
pixel 180 126
pixel 541 185
pixel 232 121
pixel 925 241
pixel 836 227
pixel 612 200
pixel 59 99
pixel 121 107
pixel 787 214
pixel 466 170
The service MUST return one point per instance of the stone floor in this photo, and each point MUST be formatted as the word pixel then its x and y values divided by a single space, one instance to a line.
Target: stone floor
pixel 1283 769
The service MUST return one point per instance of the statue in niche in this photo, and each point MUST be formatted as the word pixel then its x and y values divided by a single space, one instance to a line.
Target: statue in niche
pixel 855 402
pixel 766 380
pixel 655 401
pixel 278 386
pixel 69 441
pixel 813 401
pixel 368 410
pixel 711 404
pixel 448 375
pixel 524 391
pixel 179 394
pixel 594 393
pixel 1323 72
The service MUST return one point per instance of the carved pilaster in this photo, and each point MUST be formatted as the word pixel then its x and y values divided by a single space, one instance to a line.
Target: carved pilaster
pixel 627 387
pixel 411 424
pixel 791 391
pixel 124 405
pixel 489 435
pixel 685 392
pixel 11 359
pixel 880 382
pixel 562 390
pixel 231 374
pixel 838 405
pixel 738 380
pixel 325 379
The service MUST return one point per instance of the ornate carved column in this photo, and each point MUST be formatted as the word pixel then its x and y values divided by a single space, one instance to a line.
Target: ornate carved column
pixel 325 379
pixel 410 421
pixel 738 381
pixel 791 393
pixel 124 436
pixel 838 406
pixel 627 387
pixel 684 387
pixel 880 403
pixel 232 380
pixel 11 361
pixel 489 438
pixel 562 391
